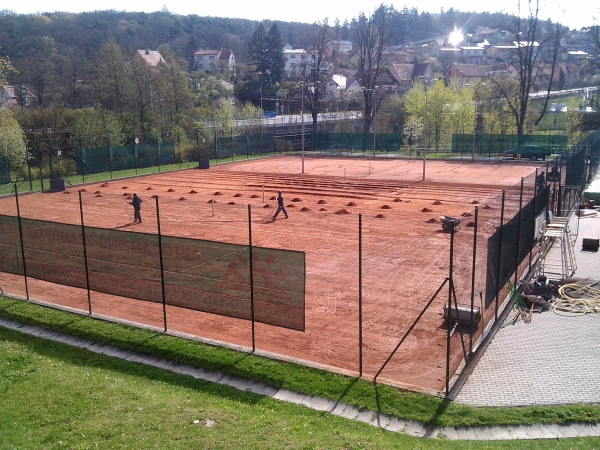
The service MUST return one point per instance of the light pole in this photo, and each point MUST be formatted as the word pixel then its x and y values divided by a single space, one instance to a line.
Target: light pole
pixel 302 115
pixel 425 132
pixel 476 101
pixel 261 105
pixel 374 90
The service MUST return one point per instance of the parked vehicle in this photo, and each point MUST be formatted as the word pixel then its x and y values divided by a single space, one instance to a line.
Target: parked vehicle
pixel 532 152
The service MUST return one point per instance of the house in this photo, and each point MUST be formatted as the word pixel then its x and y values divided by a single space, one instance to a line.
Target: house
pixel 473 54
pixel 340 46
pixel 214 60
pixel 151 57
pixel 9 96
pixel 403 75
pixel 462 74
pixel 502 68
pixel 295 60
pixel 353 84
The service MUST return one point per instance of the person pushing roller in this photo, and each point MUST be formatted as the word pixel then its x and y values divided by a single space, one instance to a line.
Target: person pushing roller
pixel 280 206
pixel 136 202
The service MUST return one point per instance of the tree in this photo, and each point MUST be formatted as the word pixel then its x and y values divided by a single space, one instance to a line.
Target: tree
pixel 5 68
pixel 112 78
pixel 372 35
pixel 12 140
pixel 533 48
pixel 96 128
pixel 317 69
pixel 595 62
pixel 258 50
pixel 275 60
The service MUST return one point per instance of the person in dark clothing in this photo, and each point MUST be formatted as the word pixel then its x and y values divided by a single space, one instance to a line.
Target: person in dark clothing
pixel 540 182
pixel 280 206
pixel 136 202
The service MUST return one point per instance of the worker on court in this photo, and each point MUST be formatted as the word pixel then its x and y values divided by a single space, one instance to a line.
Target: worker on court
pixel 136 202
pixel 280 206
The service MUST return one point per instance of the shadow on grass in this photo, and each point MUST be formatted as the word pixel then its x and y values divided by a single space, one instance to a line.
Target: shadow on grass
pixel 83 358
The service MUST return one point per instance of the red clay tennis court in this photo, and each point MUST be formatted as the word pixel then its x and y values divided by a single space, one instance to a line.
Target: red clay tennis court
pixel 404 251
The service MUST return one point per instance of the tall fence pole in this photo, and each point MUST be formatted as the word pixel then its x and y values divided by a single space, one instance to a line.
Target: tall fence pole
pixel 162 268
pixel 85 258
pixel 517 261
pixel 450 289
pixel 360 306
pixel 474 266
pixel 251 268
pixel 22 243
pixel 499 284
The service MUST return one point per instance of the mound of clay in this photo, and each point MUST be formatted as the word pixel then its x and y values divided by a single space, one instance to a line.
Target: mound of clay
pixel 97 192
pixel 351 204
pixel 182 199
pixel 290 206
pixel 217 193
pixel 305 209
pixel 296 199
pixel 66 192
pixel 487 207
pixel 341 211
pixel 407 201
pixel 273 198
pixel 466 214
pixel 397 199
pixel 149 188
pixel 475 202
pixel 104 185
pixel 83 190
pixel 231 203
pixel 193 192
pixel 238 195
pixel 432 220
pixel 437 202
pixel 254 196
pixel 321 202
pixel 154 196
pixel 98 195
pixel 426 210
pixel 471 224
pixel 322 209
pixel 125 187
pixel 380 216
pixel 386 207
pixel 267 206
pixel 210 201
pixel 171 190
pixel 125 194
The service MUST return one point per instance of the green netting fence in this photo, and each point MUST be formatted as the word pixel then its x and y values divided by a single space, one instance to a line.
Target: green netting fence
pixel 491 144
pixel 108 159
pixel 4 170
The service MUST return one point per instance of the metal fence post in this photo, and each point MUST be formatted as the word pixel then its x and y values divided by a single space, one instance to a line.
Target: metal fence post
pixel 450 290
pixel 473 281
pixel 519 233
pixel 22 243
pixel 250 266
pixel 360 311
pixel 162 269
pixel 85 258
pixel 499 284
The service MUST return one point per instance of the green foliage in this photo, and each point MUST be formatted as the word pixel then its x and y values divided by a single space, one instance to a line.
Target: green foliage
pixel 12 140
pixel 96 128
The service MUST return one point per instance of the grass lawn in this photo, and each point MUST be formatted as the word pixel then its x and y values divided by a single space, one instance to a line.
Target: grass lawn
pixel 57 396
pixel 364 394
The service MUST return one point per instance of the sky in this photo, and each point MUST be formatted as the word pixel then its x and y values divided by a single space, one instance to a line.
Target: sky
pixel 574 15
